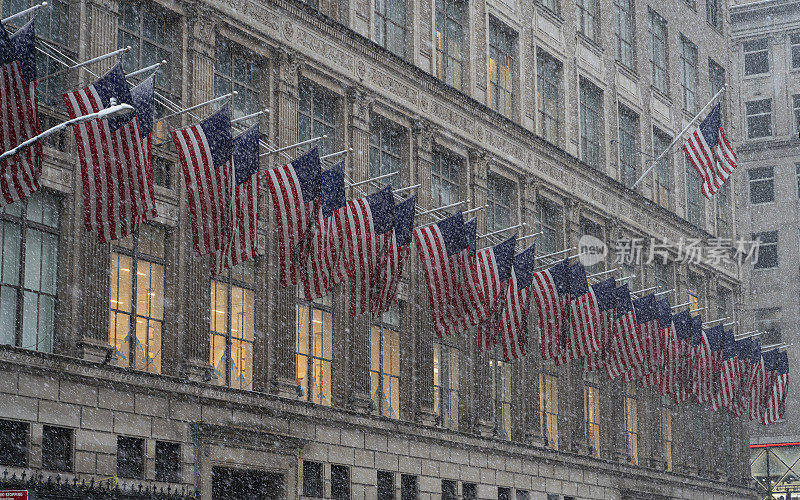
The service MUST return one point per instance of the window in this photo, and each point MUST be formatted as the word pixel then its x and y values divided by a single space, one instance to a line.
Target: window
pixel 663 191
pixel 548 96
pixel 384 373
pixel 623 32
pixel 408 487
pixel 130 457
pixel 658 51
pixel 469 491
pixel 796 106
pixel 716 77
pixel 501 397
pixel 445 383
pixel 797 175
pixel 591 228
pixel 723 301
pixel 385 485
pixel 794 41
pixel 445 178
pixel 694 198
pixel 56 448
pixel 314 349
pixel 137 296
pixel 666 431
pixel 591 412
pixel 767 250
pixel 386 141
pixel 551 5
pixel 168 462
pixel 500 213
pixel 232 324
pixel 628 146
pixel 450 41
pixel 549 220
pixel 235 68
pixel 714 13
pixel 503 493
pixel 548 403
pixel 663 275
pixel 390 25
pixel 13 443
pixel 29 232
pixel 591 109
pixel 723 211
pixel 769 321
pixel 631 422
pixel 316 115
pixel 693 292
pixel 589 19
pixel 756 57
pixel 340 482
pixel 762 185
pixel 502 43
pixel 313 485
pixel 688 74
pixel 759 118
pixel 523 495
pixel 449 489
pixel 329 8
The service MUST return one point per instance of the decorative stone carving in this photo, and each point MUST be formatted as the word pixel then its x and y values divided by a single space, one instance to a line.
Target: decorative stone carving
pixel 424 132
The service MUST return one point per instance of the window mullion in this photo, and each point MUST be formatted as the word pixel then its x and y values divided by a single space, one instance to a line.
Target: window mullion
pixel 21 279
pixel 228 349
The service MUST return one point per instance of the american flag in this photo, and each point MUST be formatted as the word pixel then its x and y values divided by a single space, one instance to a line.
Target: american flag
pixel 494 272
pixel 778 388
pixel 243 243
pixel 584 315
pixel 744 353
pixel 682 322
pixel 668 348
pixel 440 247
pixel 729 374
pixel 716 340
pixel 702 362
pixel 626 349
pixel 473 307
pixel 295 192
pixel 604 292
pixel 648 334
pixel 756 382
pixel 325 265
pixel 369 226
pixel 710 153
pixel 388 280
pixel 514 318
pixel 19 114
pixel 116 197
pixel 551 293
pixel 142 101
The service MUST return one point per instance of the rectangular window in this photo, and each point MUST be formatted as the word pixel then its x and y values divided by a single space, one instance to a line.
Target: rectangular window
pixel 501 397
pixel 136 304
pixel 688 74
pixel 548 95
pixel 232 325
pixel 551 5
pixel 500 212
pixel 386 141
pixel 313 484
pixel 623 32
pixel 390 25
pixel 759 118
pixel 794 41
pixel 767 250
pixel 502 64
pixel 446 178
pixel 29 234
pixel 130 457
pixel 756 57
pixel 631 422
pixel 591 412
pixel 714 13
pixel 797 176
pixel 693 292
pixel 658 52
pixel 589 19
pixel 716 77
pixel 56 448
pixel 796 106
pixel 663 191
pixel 168 462
pixel 449 489
pixel 236 68
pixel 549 220
pixel 446 384
pixel 591 110
pixel 13 443
pixel 723 301
pixel 628 146
pixel 450 21
pixel 384 373
pixel 408 487
pixel 769 321
pixel 663 275
pixel 317 110
pixel 523 495
pixel 694 198
pixel 314 349
pixel 503 493
pixel 340 482
pixel 723 211
pixel 548 404
pixel 762 184
pixel 666 431
pixel 469 491
pixel 385 485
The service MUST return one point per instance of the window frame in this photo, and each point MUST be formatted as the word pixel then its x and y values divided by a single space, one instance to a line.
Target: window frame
pixel 382 327
pixel 689 74
pixel 588 19
pixel 714 14
pixel 383 159
pixel 501 200
pixel 172 475
pixel 549 72
pixel 250 93
pixel 335 494
pixel 445 395
pixel 665 431
pixel 771 326
pixel 503 42
pixel 796 109
pixel 625 9
pixel 767 177
pixel 315 360
pixel 317 489
pixel 758 114
pixel 502 388
pixel 549 221
pixel 659 73
pixel 318 123
pixel 631 402
pixel 794 50
pixel 548 403
pixel 455 166
pixel 628 139
pixel 591 412
pixel 229 281
pixel 591 124
pixel 663 170
pixel 6 438
pixel 771 245
pixel 132 441
pixel 444 58
pixel 753 52
pixel 51 464
pixel 382 20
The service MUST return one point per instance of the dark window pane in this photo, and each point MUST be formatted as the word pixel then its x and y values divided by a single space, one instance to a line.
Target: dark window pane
pixel 13 443
pixel 56 448
pixel 469 491
pixel 767 251
pixel 168 461
pixel 385 485
pixel 312 479
pixel 340 482
pixel 449 490
pixel 762 185
pixel 503 493
pixel 408 487
pixel 130 457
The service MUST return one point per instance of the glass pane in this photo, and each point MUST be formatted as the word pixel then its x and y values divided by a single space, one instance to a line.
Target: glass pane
pixel 47 309
pixel 12 238
pixel 8 315
pixel 120 327
pixel 49 262
pixel 33 258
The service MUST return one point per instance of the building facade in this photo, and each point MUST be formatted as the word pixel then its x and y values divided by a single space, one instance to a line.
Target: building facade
pixel 129 362
pixel 766 44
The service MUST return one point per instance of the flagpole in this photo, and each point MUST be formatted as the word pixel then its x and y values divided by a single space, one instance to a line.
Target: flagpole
pixel 292 146
pixel 500 231
pixel 665 291
pixel 23 12
pixel 384 176
pixel 476 209
pixel 534 235
pixel 644 290
pixel 750 334
pixel 251 115
pixel 556 253
pixel 681 305
pixel 714 320
pixel 443 208
pixel 678 137
pixel 338 153
pixel 626 277
pixel 602 273
pixel 146 69
pixel 731 323
pixel 192 108
pixel 86 63
pixel 407 188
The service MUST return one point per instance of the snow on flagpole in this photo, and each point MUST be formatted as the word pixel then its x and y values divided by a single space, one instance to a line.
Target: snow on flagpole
pixel 23 12
pixel 86 63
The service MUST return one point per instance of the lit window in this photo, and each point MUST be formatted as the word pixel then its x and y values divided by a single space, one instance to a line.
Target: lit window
pixel 759 118
pixel 236 69
pixel 316 116
pixel 666 431
pixel 549 221
pixel 548 74
pixel 450 41
pixel 693 292
pixel 137 295
pixel 658 52
pixel 232 325
pixel 446 384
pixel 386 142
pixel 445 178
pixel 688 74
pixel 767 249
pixel 29 232
pixel 500 212
pixel 591 412
pixel 756 57
pixel 390 25
pixel 314 349
pixel 628 146
pixel 623 31
pixel 501 397
pixel 588 19
pixel 384 372
pixel 631 422
pixel 714 13
pixel 694 197
pixel 663 191
pixel 591 112
pixel 762 185
pixel 548 404
pixel 502 43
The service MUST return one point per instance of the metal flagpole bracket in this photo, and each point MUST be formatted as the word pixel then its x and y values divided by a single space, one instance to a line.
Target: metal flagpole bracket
pixel 86 63
pixel 714 321
pixel 407 188
pixel 367 181
pixel 426 212
pixel 731 323
pixel 296 145
pixel 251 115
pixel 146 69
pixel 556 253
pixel 626 277
pixel 476 209
pixel 681 305
pixel 534 235
pixel 500 231
pixel 192 108
pixel 338 153
pixel 24 12
pixel 750 334
pixel 602 273
pixel 665 291
pixel 644 290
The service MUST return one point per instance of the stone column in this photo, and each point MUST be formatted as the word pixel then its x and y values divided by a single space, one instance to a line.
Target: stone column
pixel 614 446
